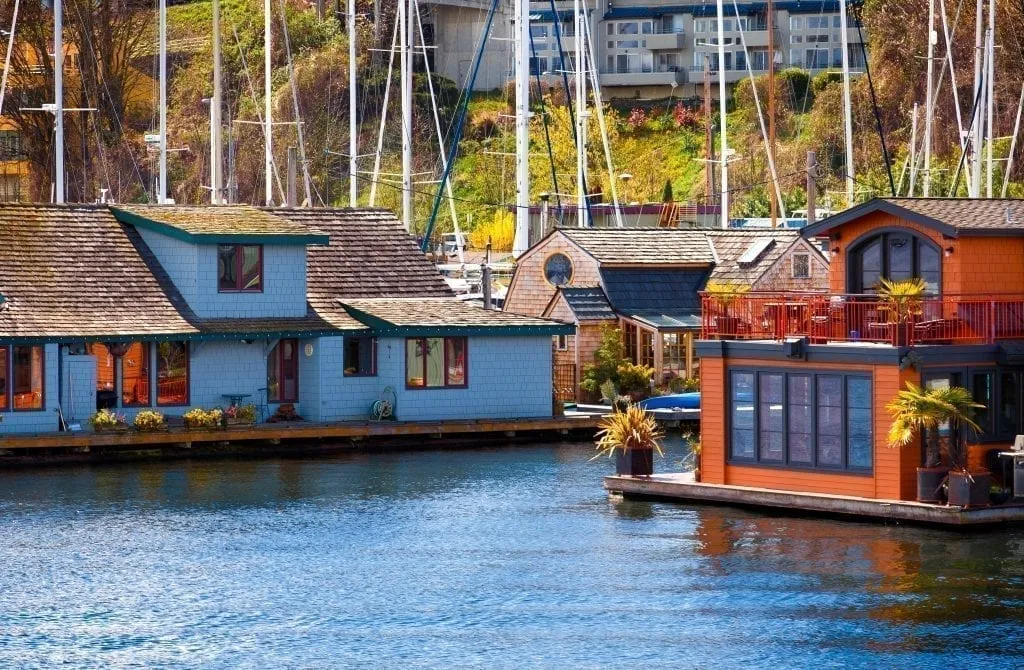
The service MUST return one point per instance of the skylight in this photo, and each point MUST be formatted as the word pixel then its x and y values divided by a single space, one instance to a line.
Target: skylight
pixel 755 251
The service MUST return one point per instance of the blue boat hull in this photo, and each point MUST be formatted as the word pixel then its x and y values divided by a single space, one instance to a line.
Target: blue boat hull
pixel 674 401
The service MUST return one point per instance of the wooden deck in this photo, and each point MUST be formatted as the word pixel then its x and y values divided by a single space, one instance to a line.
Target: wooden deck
pixel 297 431
pixel 680 487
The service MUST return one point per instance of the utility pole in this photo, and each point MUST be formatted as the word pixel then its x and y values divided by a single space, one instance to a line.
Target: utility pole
pixel 161 196
pixel 521 21
pixel 721 107
pixel 979 57
pixel 990 93
pixel 353 128
pixel 268 126
pixel 847 106
pixel 771 104
pixel 929 104
pixel 216 168
pixel 405 65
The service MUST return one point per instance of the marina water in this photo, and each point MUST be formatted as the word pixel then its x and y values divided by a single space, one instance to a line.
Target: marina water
pixel 506 557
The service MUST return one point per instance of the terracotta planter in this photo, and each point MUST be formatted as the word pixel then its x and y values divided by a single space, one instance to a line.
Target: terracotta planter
pixel 929 484
pixel 635 462
pixel 963 492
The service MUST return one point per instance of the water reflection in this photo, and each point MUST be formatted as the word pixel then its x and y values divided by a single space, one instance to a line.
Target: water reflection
pixel 495 557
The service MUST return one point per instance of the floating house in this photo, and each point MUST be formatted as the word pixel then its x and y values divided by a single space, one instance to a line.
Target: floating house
pixel 170 308
pixel 794 387
pixel 647 282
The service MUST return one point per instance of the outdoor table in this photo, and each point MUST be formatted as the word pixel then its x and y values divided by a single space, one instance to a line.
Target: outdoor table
pixel 235 398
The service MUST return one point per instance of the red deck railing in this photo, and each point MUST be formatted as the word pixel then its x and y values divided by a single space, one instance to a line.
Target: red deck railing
pixel 823 318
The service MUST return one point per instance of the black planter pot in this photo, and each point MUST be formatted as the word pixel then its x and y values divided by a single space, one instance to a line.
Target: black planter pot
pixel 635 462
pixel 929 484
pixel 963 492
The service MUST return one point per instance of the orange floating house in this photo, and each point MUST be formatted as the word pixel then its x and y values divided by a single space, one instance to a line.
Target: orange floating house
pixel 794 386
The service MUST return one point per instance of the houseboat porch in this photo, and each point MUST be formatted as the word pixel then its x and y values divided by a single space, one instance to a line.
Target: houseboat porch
pixel 681 487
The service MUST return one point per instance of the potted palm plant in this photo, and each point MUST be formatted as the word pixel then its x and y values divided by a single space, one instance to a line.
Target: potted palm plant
pixel 633 437
pixel 724 295
pixel 918 411
pixel 902 301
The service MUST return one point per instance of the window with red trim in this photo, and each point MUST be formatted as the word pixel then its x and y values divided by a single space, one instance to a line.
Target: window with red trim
pixel 28 364
pixel 240 268
pixel 283 372
pixel 5 402
pixel 436 362
pixel 172 368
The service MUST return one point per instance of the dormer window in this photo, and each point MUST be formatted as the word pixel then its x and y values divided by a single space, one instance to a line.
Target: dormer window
pixel 240 268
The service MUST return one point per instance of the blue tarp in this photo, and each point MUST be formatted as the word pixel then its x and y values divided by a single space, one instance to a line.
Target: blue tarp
pixel 674 401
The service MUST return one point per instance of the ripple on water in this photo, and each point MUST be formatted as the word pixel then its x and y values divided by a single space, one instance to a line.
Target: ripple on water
pixel 493 558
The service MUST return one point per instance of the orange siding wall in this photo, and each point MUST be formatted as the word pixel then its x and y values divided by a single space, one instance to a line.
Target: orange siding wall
pixel 976 265
pixel 893 477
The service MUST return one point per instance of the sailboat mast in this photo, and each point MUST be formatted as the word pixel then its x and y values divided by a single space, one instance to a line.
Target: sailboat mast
pixel 353 129
pixel 162 192
pixel 913 153
pixel 979 57
pixel 990 80
pixel 771 104
pixel 268 130
pixel 58 92
pixel 929 103
pixel 521 19
pixel 581 121
pixel 405 66
pixel 216 167
pixel 721 108
pixel 847 108
pixel 709 139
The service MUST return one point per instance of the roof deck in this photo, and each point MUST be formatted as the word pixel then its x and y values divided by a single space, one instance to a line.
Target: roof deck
pixel 830 318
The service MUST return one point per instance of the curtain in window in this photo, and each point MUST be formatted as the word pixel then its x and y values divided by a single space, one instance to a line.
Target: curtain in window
pixel 227 266
pixel 456 355
pixel 251 279
pixel 435 361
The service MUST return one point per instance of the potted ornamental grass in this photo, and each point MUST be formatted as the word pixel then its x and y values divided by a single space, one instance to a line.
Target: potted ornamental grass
pixel 903 302
pixel 916 411
pixel 632 437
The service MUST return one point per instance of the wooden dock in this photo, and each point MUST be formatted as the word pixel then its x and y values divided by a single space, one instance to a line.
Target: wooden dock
pixel 680 487
pixel 297 431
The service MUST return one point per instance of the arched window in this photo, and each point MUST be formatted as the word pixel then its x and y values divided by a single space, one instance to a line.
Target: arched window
pixel 893 255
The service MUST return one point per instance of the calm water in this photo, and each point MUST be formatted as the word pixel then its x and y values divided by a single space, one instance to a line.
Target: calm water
pixel 498 558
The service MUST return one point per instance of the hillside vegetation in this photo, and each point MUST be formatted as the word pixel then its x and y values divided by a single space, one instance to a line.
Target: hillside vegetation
pixel 657 146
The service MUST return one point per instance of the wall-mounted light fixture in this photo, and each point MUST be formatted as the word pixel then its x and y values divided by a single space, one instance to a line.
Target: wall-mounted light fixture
pixel 948 251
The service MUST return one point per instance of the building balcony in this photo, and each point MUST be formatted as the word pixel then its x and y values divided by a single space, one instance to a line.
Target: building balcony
pixel 624 77
pixel 668 41
pixel 825 318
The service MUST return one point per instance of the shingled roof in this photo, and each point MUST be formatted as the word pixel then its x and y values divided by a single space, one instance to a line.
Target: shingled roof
pixel 74 271
pixel 643 246
pixel 586 303
pixel 949 216
pixel 221 223
pixel 445 316
pixel 731 245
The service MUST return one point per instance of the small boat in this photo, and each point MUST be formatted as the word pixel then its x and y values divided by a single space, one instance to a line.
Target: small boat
pixel 674 401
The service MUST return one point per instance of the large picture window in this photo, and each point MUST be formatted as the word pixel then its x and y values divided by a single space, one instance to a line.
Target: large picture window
pixel 283 372
pixel 240 268
pixel 801 420
pixel 436 362
pixel 894 256
pixel 135 376
pixel 28 365
pixel 172 374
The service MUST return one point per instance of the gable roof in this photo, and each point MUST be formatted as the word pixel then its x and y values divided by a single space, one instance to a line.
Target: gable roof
pixel 445 316
pixel 74 271
pixel 587 303
pixel 765 247
pixel 211 224
pixel 949 216
pixel 643 246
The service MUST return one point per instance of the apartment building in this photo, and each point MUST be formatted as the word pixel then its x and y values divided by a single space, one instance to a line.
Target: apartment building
pixel 649 49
